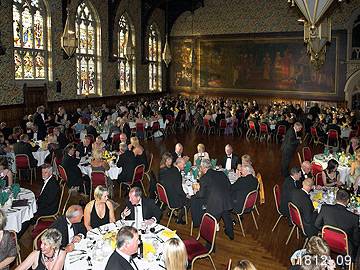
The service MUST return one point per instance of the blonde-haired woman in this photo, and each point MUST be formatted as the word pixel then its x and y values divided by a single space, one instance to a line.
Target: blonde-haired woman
pixel 49 257
pixel 201 154
pixel 355 171
pixel 100 211
pixel 98 144
pixel 139 152
pixel 175 255
pixel 244 265
pixel 99 165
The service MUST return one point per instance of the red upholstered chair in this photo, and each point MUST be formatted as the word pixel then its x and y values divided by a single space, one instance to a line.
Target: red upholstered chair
pixel 170 126
pixel 296 220
pixel 264 132
pixel 333 136
pixel 98 178
pixel 307 154
pixel 276 191
pixel 115 140
pixel 140 130
pixel 22 162
pixel 299 158
pixel 37 240
pixel 207 127
pixel 222 126
pixel 147 173
pixel 154 128
pixel 316 168
pixel 62 173
pixel 280 133
pixel 336 239
pixel 319 179
pixel 138 176
pixel 249 207
pixel 251 130
pixel 314 136
pixel 195 249
pixel 164 200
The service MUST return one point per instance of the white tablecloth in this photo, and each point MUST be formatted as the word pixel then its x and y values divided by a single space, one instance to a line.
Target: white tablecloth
pixel 18 215
pixel 40 156
pixel 112 173
pixel 344 171
pixel 99 251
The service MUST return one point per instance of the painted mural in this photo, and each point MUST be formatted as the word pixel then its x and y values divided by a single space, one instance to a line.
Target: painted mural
pixel 181 69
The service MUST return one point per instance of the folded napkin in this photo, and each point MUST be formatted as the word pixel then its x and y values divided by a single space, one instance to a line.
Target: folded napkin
pixel 2 183
pixel 195 172
pixel 187 167
pixel 15 189
pixel 168 233
pixel 4 196
pixel 213 163
pixel 198 162
pixel 226 172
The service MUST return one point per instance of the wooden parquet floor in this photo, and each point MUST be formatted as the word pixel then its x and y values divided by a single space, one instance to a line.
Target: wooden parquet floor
pixel 265 249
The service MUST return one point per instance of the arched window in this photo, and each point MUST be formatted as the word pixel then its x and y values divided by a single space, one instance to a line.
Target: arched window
pixel 355 44
pixel 30 32
pixel 88 51
pixel 126 68
pixel 154 41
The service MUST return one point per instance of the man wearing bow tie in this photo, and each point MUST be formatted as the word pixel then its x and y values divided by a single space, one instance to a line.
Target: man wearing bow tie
pixel 230 161
pixel 290 184
pixel 305 171
pixel 288 147
pixel 140 209
pixel 179 152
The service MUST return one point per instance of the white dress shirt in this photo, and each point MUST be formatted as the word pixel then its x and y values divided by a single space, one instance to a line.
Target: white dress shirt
pixel 127 257
pixel 228 162
pixel 45 182
pixel 138 214
pixel 71 232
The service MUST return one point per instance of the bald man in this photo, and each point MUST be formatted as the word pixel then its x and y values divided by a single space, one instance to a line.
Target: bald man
pixel 70 226
pixel 301 198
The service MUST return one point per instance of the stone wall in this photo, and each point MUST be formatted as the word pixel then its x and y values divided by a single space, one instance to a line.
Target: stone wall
pixel 65 69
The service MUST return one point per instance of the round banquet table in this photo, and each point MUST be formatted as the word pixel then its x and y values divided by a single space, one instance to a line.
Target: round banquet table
pixel 18 215
pixel 94 251
pixel 40 156
pixel 344 170
pixel 112 173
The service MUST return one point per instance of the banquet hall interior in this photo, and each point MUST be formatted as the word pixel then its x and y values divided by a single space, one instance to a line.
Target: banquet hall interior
pixel 253 103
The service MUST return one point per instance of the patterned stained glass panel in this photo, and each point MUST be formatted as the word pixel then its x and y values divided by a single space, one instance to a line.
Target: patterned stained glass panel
pixel 40 66
pixel 91 39
pixel 154 49
pixel 83 77
pixel 91 76
pixel 28 66
pixel 82 38
pixel 16 27
pixel 18 65
pixel 38 30
pixel 27 28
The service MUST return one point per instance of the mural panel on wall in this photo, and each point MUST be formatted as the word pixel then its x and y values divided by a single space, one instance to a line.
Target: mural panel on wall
pixel 265 64
pixel 181 69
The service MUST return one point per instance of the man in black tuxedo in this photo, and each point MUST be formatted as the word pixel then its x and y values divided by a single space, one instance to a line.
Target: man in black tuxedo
pixel 171 179
pixel 48 200
pixel 305 171
pixel 214 197
pixel 290 184
pixel 242 187
pixel 24 147
pixel 84 148
pixel 338 216
pixel 140 209
pixel 39 120
pixel 179 152
pixel 91 129
pixel 230 161
pixel 70 226
pixel 126 245
pixel 301 199
pixel 127 162
pixel 288 147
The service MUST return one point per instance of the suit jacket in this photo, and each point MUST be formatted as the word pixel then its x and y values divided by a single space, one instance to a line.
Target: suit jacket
pixel 127 162
pixel 241 188
pixel 288 187
pixel 290 142
pixel 302 177
pixel 171 179
pixel 338 216
pixel 26 148
pixel 48 200
pixel 117 262
pixel 72 170
pixel 90 130
pixel 62 140
pixel 61 225
pixel 149 210
pixel 234 161
pixel 302 200
pixel 215 190
pixel 38 120
pixel 175 156
pixel 83 150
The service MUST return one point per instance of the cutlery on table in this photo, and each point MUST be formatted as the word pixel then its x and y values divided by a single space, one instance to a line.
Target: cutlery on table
pixel 89 261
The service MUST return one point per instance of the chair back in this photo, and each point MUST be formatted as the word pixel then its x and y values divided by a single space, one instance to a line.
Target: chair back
pixel 138 173
pixel 281 130
pixel 115 138
pixel 336 239
pixel 352 134
pixel 37 240
pixel 206 123
pixel 207 229
pixel 276 191
pixel 263 128
pixel 228 267
pixel 333 134
pixel 140 127
pixel 18 255
pixel 316 168
pixel 222 123
pixel 170 118
pixel 313 132
pixel 319 179
pixel 307 154
pixel 150 162
pixel 155 126
pixel 62 173
pixel 235 123
pixel 295 216
pixel 250 201
pixel 162 194
pixel 22 161
pixel 252 125
pixel 98 178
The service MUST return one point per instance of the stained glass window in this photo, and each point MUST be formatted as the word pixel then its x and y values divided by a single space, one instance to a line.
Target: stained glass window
pixel 86 53
pixel 154 43
pixel 30 38
pixel 126 68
